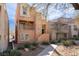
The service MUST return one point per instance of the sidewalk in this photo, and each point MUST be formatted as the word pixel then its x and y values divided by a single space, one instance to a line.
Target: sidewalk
pixel 48 50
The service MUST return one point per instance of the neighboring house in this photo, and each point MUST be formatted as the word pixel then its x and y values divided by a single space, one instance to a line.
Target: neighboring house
pixel 74 29
pixel 30 25
pixel 4 29
pixel 64 28
pixel 59 29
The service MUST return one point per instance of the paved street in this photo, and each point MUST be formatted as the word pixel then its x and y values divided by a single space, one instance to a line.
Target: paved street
pixel 48 50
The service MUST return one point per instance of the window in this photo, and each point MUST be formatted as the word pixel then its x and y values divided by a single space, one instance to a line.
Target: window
pixel 75 27
pixel 69 26
pixel 26 36
pixel 26 25
pixel 65 35
pixel 24 10
pixel 22 36
pixel 22 25
pixel 43 29
pixel 74 36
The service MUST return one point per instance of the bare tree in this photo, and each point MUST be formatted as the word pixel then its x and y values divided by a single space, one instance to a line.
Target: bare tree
pixel 44 7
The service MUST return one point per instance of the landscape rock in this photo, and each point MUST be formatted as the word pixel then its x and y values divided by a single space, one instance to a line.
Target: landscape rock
pixel 26 49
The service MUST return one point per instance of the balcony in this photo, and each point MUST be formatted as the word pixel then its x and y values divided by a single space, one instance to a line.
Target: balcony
pixel 24 18
pixel 26 25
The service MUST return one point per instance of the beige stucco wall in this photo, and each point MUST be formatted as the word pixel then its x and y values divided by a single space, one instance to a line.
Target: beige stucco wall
pixel 74 32
pixel 3 28
pixel 63 29
pixel 38 21
pixel 53 35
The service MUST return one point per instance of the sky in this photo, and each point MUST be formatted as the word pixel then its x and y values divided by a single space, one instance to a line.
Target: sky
pixel 11 8
pixel 53 14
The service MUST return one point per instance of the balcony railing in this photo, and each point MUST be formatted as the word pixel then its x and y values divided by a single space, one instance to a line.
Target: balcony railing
pixel 22 18
pixel 26 26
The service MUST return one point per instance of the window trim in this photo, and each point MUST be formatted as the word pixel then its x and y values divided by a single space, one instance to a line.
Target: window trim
pixel 27 36
pixel 21 11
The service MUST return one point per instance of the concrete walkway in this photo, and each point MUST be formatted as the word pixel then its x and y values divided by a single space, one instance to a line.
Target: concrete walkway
pixel 48 50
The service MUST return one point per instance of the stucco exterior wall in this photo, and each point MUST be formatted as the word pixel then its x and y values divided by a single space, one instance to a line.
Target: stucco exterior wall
pixel 38 22
pixel 3 28
pixel 73 31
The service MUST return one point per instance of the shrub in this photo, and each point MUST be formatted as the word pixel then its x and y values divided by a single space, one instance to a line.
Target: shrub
pixel 6 53
pixel 8 50
pixel 10 53
pixel 76 38
pixel 34 44
pixel 56 41
pixel 28 46
pixel 45 43
pixel 1 54
pixel 20 47
pixel 15 53
pixel 68 42
pixel 53 42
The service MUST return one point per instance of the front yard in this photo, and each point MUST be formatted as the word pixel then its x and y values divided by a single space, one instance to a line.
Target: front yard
pixel 64 48
pixel 32 52
pixel 25 50
pixel 69 47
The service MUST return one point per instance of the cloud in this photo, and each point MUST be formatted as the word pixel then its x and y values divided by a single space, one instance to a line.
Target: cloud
pixel 70 13
pixel 54 14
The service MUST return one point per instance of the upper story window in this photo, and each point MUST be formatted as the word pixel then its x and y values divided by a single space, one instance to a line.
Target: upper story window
pixel 24 10
pixel 43 29
pixel 26 25
pixel 75 27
